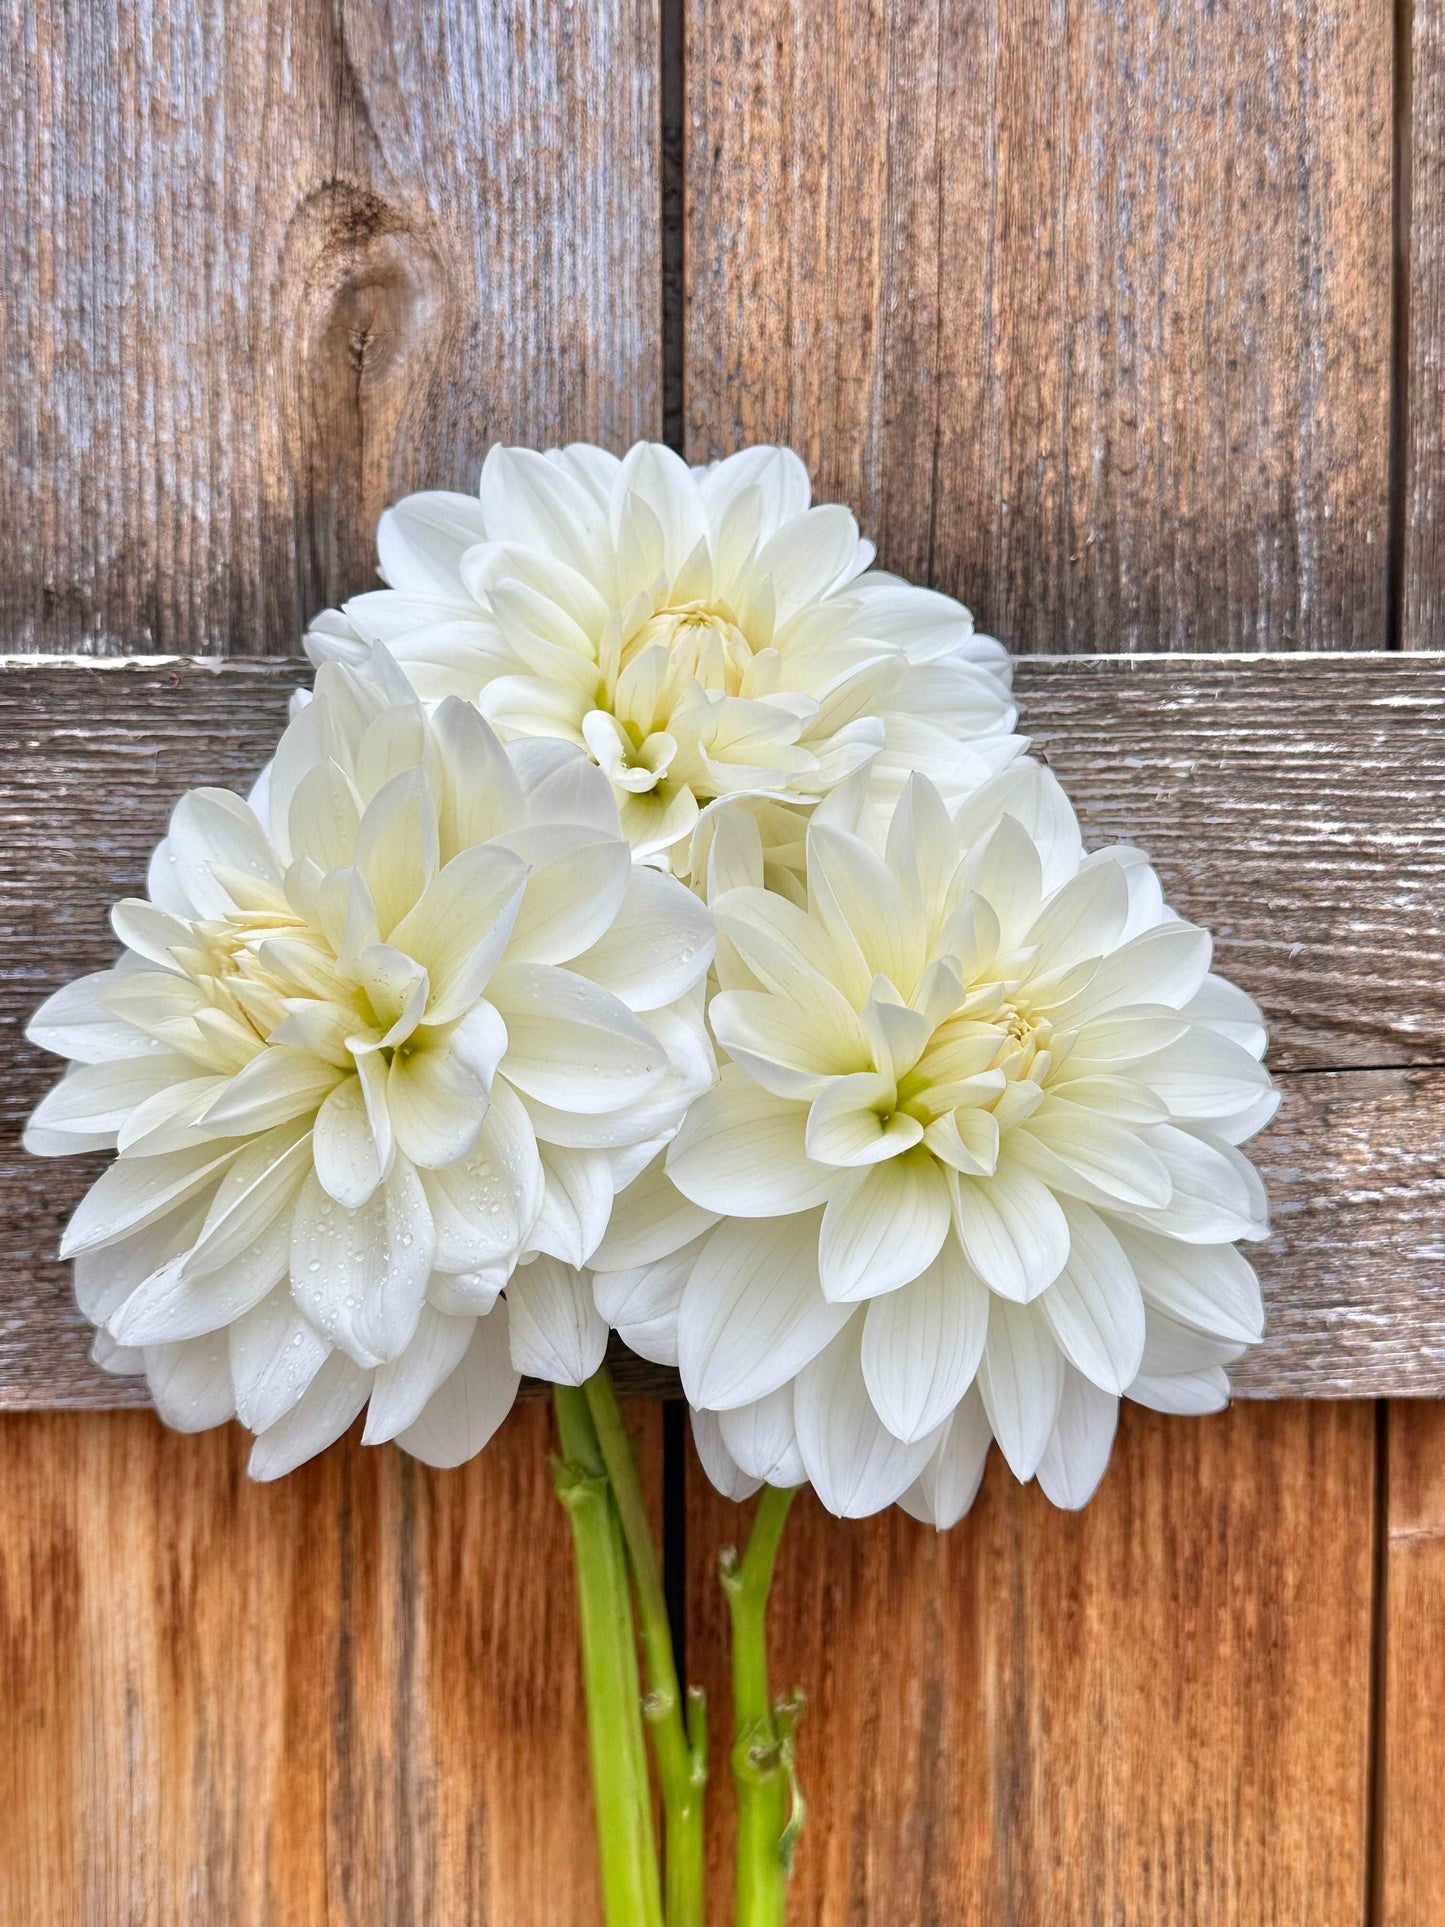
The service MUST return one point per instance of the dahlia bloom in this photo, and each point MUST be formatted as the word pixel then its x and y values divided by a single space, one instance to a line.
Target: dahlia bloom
pixel 970 1172
pixel 700 632
pixel 383 1043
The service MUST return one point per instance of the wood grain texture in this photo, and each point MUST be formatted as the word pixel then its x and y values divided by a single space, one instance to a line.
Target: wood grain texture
pixel 1154 1711
pixel 350 1697
pixel 1297 807
pixel 1085 308
pixel 1422 405
pixel 1411 1873
pixel 270 266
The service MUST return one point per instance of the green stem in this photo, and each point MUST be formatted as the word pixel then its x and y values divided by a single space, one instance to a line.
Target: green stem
pixel 680 1746
pixel 620 1791
pixel 770 1807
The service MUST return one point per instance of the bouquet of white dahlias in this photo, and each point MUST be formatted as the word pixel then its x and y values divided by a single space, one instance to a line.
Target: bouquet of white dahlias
pixel 650 923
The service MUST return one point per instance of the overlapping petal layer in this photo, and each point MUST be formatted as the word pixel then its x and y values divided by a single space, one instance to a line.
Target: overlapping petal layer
pixel 383 1044
pixel 972 1170
pixel 700 632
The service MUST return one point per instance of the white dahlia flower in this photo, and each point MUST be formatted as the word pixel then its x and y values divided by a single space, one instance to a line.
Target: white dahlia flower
pixel 701 632
pixel 397 1027
pixel 971 1172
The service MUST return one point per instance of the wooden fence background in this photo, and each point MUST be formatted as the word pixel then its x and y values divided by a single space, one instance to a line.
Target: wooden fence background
pixel 1126 322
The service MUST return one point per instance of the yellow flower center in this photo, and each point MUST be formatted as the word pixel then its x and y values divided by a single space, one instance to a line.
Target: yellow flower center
pixel 703 640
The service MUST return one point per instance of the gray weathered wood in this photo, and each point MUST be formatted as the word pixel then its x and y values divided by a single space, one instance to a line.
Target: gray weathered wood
pixel 1084 307
pixel 1422 403
pixel 1298 807
pixel 270 265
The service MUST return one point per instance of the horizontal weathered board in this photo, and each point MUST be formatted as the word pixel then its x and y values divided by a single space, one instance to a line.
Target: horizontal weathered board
pixel 1298 808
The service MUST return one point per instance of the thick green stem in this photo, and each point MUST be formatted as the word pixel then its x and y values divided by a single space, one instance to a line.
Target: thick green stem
pixel 620 1791
pixel 769 1805
pixel 680 1745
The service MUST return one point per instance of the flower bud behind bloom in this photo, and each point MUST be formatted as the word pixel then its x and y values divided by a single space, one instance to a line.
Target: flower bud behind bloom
pixel 383 1044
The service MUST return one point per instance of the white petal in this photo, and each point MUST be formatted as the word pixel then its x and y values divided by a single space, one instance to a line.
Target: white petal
pixel 397 847
pixel 856 895
pixel 562 785
pixel 1013 1231
pixel 104 1279
pixel 1021 1379
pixel 948 1485
pixel 1203 1075
pixel 576 887
pixel 576 1202
pixel 484 1207
pixel 741 1151
pixel 461 925
pixel 1079 1446
pixel 852 1121
pixel 94 1101
pixel 211 830
pixel 922 1345
pixel 1212 1287
pixel 557 1331
pixel 436 1102
pixel 1217 1195
pixel 1084 918
pixel 883 1226
pixel 482 796
pixel 274 1355
pixel 76 1023
pixel 348 1162
pixel 855 1464
pixel 650 1219
pixel 572 1044
pixel 257 1191
pixel 421 540
pixel 763 1440
pixel 1165 966
pixel 641 1305
pixel 721 1468
pixel 133 1192
pixel 401 1389
pixel 170 1306
pixel 191 1382
pixel 1094 1307
pixel 466 1409
pixel 361 1276
pixel 753 1312
pixel 1186 1395
pixel 318 1418
pixel 467 1294
pixel 279 1083
pixel 1171 1348
pixel 657 947
pixel 1084 1154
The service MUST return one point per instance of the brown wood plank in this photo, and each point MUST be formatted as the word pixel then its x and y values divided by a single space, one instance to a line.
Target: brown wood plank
pixel 1153 1711
pixel 1422 508
pixel 350 1697
pixel 1085 308
pixel 269 266
pixel 1411 1873
pixel 1298 807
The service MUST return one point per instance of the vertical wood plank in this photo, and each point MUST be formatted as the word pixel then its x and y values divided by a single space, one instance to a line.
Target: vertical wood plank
pixel 350 1697
pixel 1085 308
pixel 1154 1710
pixel 1423 510
pixel 1411 1880
pixel 270 266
